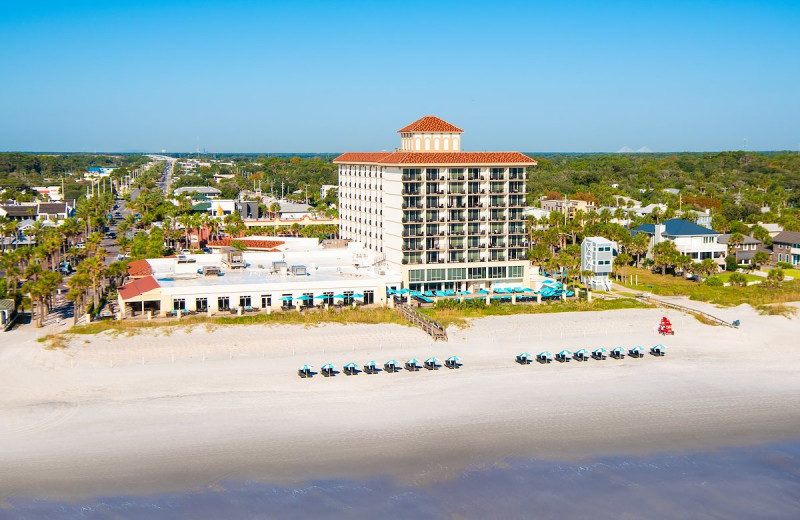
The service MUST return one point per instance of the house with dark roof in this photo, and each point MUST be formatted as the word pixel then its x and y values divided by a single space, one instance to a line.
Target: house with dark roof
pixel 695 241
pixel 786 247
pixel 745 251
pixel 52 211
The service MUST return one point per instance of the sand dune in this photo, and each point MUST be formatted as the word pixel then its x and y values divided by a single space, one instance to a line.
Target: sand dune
pixel 159 411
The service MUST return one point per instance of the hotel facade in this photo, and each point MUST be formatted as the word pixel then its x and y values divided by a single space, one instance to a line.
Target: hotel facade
pixel 444 218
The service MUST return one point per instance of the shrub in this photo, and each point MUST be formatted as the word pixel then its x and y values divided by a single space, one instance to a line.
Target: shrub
pixel 784 265
pixel 730 263
pixel 738 279
pixel 714 281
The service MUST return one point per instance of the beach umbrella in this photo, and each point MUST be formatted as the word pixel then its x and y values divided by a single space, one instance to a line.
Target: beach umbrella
pixel 454 359
pixel 482 291
pixel 403 291
pixel 599 351
pixel 286 298
pixel 304 298
pixel 662 347
pixel 328 366
pixel 351 365
pixel 369 364
pixel 432 360
pixel 339 296
pixel 391 362
pixel 358 295
pixel 391 291
pixel 545 354
pixel 525 355
pixel 617 349
pixel 565 353
pixel 412 361
pixel 321 297
pixel 582 352
pixel 305 368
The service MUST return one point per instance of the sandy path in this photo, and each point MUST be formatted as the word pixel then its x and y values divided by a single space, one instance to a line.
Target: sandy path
pixel 160 411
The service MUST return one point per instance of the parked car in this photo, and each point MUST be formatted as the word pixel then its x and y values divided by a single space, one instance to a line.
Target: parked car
pixel 183 259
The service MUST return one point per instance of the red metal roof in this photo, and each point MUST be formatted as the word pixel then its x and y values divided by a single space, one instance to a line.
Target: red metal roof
pixel 138 287
pixel 430 158
pixel 139 268
pixel 269 245
pixel 430 124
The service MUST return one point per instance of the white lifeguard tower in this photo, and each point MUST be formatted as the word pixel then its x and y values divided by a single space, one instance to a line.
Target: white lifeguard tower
pixel 597 256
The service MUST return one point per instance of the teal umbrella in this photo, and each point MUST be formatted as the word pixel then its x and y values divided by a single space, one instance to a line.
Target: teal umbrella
pixel 454 359
pixel 546 354
pixel 321 297
pixel 306 368
pixel 304 298
pixel 565 353
pixel 599 351
pixel 391 362
pixel 329 366
pixel 432 360
pixel 339 296
pixel 286 298
pixel 369 364
pixel 582 352
pixel 482 291
pixel 351 365
pixel 358 295
pixel 637 349
pixel 412 361
pixel 525 355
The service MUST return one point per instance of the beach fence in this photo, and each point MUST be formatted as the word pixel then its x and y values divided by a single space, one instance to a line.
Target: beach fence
pixel 432 327
pixel 688 310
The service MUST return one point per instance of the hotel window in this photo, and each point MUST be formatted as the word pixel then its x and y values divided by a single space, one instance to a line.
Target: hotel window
pixel 245 302
pixel 497 272
pixel 179 304
pixel 457 274
pixel 436 275
pixel 266 301
pixel 223 303
pixel 369 297
pixel 310 301
pixel 515 271
pixel 476 273
pixel 201 304
pixel 286 300
pixel 416 275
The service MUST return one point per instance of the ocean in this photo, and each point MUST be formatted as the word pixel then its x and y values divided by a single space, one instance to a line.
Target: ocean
pixel 757 482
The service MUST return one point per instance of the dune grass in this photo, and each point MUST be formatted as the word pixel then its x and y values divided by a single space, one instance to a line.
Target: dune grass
pixel 754 295
pixel 778 309
pixel 458 315
pixel 313 318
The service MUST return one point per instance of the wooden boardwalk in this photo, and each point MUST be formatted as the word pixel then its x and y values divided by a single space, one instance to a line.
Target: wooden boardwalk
pixel 688 310
pixel 432 327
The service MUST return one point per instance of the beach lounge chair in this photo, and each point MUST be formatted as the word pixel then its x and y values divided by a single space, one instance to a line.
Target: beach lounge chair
pixel 564 356
pixel 390 366
pixel 618 353
pixel 599 353
pixel 452 362
pixel 411 365
pixel 544 357
pixel 581 355
pixel 304 371
pixel 524 358
pixel 350 369
pixel 658 350
pixel 328 370
pixel 636 352
pixel 370 368
pixel 431 363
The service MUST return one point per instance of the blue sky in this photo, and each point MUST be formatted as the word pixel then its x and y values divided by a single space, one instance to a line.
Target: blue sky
pixel 327 76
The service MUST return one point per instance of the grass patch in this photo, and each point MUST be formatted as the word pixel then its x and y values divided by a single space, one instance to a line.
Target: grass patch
pixel 725 277
pixel 343 316
pixel 778 309
pixel 704 320
pixel 457 315
pixel 755 295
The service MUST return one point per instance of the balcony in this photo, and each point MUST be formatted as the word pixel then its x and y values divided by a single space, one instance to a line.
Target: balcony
pixel 413 177
pixel 455 245
pixel 412 220
pixel 476 177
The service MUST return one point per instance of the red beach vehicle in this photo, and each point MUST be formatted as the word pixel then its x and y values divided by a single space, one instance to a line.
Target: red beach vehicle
pixel 665 327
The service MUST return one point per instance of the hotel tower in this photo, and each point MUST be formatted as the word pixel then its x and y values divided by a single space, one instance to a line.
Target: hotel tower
pixel 446 219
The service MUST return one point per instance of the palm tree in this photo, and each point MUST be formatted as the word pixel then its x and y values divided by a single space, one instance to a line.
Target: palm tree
pixel 78 285
pixel 94 268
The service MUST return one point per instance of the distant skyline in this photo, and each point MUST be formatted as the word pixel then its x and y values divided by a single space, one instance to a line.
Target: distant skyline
pixel 319 76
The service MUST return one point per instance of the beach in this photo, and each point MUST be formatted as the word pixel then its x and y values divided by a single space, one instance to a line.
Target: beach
pixel 175 409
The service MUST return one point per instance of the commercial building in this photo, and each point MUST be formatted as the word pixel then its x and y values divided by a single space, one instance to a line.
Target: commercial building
pixel 445 218
pixel 294 274
pixel 568 207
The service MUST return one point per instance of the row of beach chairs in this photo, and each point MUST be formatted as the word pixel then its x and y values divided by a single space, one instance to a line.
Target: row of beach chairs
pixel 390 367
pixel 599 354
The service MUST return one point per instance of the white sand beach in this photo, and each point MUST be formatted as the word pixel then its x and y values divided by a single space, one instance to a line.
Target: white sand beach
pixel 172 408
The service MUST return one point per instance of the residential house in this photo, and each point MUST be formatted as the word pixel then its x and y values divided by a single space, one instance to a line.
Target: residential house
pixel 744 252
pixel 597 256
pixel 786 247
pixel 697 242
pixel 568 207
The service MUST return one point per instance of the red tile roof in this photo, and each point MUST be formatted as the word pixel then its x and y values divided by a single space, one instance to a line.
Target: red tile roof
pixel 139 268
pixel 431 158
pixel 430 124
pixel 138 287
pixel 268 245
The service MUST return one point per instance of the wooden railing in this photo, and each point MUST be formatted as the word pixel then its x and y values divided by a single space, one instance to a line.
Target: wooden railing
pixel 432 327
pixel 687 310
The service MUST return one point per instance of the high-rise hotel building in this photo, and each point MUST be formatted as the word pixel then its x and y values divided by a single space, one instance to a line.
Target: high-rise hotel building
pixel 446 219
